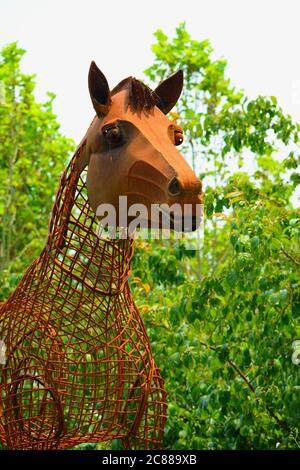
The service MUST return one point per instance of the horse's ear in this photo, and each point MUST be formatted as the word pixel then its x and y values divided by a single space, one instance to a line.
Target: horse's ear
pixel 169 91
pixel 99 90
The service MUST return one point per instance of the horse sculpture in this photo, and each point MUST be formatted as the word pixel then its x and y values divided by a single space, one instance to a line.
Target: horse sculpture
pixel 79 366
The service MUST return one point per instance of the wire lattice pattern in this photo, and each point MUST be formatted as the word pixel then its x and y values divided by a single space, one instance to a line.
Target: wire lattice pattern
pixel 79 364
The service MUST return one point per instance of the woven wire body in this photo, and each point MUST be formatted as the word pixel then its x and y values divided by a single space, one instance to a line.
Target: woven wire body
pixel 79 365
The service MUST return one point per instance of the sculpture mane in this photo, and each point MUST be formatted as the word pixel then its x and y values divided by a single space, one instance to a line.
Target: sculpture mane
pixel 140 96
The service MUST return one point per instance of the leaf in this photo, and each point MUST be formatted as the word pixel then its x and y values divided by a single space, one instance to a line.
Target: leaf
pixel 174 116
pixel 220 214
pixel 234 194
pixel 146 288
pixel 235 199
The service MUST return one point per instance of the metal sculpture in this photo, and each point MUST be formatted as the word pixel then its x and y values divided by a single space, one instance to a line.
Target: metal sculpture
pixel 79 365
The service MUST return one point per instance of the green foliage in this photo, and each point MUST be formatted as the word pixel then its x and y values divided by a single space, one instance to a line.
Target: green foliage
pixel 33 154
pixel 224 339
pixel 225 343
pixel 219 120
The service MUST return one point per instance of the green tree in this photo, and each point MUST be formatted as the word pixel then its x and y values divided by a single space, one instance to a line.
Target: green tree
pixel 33 153
pixel 223 334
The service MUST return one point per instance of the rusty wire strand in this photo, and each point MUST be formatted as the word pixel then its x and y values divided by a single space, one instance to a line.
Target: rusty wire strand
pixel 79 363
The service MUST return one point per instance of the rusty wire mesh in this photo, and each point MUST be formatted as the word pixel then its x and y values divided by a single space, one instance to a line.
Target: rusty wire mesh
pixel 79 365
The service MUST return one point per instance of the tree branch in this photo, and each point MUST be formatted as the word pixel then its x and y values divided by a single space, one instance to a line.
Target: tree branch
pixel 283 424
pixel 290 257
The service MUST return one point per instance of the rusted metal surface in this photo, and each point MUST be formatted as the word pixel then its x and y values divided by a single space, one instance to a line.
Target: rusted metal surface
pixel 79 365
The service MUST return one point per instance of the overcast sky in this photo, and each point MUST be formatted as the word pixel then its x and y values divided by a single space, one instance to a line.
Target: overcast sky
pixel 259 38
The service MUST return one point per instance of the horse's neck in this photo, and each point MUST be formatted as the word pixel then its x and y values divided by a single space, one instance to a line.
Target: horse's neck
pixel 73 245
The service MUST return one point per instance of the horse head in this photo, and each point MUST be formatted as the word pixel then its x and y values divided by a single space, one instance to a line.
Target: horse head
pixel 132 148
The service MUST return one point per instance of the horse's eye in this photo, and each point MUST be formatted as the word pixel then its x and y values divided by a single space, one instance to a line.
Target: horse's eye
pixel 113 135
pixel 178 137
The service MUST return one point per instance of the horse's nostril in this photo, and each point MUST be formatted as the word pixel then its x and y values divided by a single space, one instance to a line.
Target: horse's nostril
pixel 174 187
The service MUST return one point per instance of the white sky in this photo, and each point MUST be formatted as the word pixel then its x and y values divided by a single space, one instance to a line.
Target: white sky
pixel 259 38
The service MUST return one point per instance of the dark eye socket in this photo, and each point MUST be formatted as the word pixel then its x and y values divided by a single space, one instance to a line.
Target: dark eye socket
pixel 114 135
pixel 178 137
